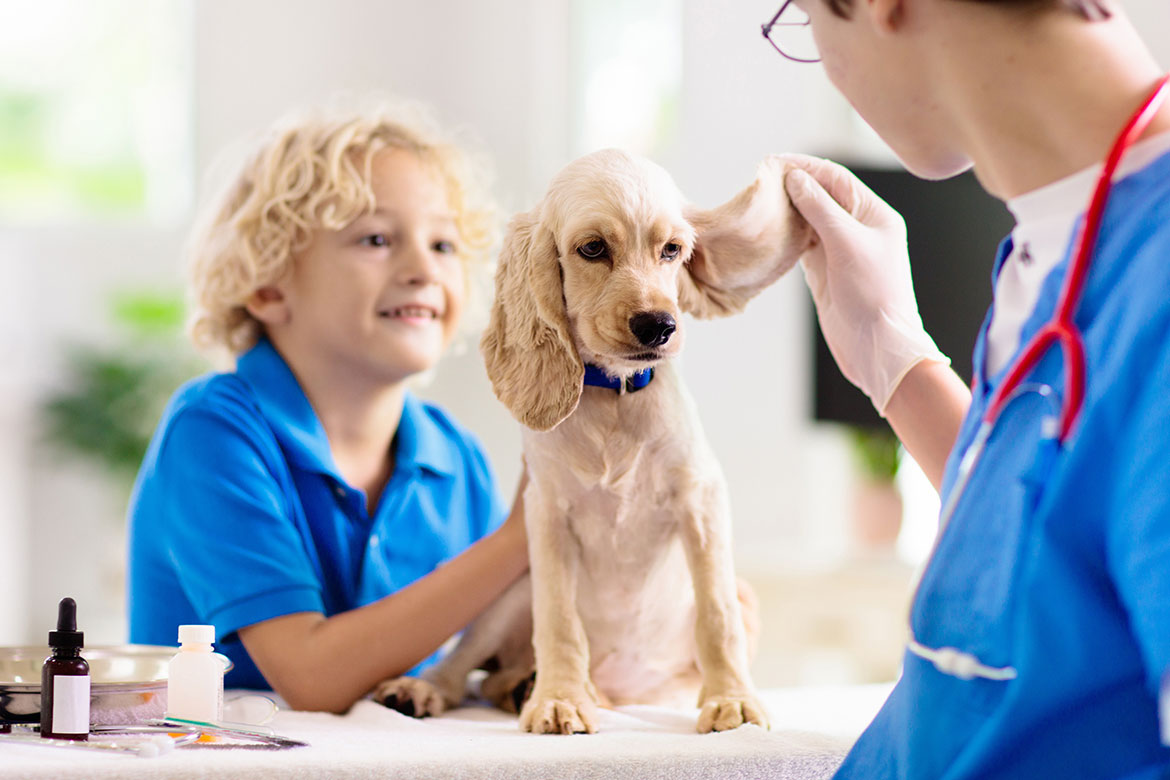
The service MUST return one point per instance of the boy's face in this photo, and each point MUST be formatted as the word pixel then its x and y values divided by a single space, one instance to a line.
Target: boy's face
pixel 380 299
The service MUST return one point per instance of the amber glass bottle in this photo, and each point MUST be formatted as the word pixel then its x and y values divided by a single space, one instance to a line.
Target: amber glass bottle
pixel 65 680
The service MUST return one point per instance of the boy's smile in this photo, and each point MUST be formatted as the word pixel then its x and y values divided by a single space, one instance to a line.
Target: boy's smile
pixel 379 299
pixel 411 314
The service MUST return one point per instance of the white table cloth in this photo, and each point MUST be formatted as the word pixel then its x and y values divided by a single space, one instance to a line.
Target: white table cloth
pixel 812 729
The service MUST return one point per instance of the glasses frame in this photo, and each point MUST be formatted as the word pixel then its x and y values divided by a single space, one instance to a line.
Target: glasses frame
pixel 766 29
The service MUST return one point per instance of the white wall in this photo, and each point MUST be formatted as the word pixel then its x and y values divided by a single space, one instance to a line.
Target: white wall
pixel 501 70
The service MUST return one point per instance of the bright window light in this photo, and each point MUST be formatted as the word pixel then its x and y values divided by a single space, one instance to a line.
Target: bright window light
pixel 95 110
pixel 628 63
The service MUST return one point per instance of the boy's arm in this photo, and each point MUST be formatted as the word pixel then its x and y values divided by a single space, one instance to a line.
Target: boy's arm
pixel 319 663
pixel 926 412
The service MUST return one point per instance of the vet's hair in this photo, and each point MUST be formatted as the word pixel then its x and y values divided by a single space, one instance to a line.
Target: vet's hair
pixel 312 172
pixel 1090 9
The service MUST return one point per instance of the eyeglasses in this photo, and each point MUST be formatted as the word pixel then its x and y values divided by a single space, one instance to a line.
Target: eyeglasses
pixel 783 35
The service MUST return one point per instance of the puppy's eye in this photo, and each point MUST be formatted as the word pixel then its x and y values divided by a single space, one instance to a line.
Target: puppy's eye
pixel 593 250
pixel 671 251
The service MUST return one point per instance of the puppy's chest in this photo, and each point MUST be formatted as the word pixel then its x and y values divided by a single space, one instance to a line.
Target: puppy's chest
pixel 617 444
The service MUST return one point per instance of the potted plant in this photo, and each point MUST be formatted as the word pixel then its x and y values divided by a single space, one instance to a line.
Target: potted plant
pixel 113 396
pixel 877 502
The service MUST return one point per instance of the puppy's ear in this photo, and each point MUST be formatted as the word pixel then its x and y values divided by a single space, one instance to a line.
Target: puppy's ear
pixel 743 246
pixel 531 360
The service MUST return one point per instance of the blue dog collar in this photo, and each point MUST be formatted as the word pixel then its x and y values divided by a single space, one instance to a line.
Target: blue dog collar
pixel 597 377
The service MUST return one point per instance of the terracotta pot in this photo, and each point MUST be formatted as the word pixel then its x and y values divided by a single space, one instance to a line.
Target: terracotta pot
pixel 877 515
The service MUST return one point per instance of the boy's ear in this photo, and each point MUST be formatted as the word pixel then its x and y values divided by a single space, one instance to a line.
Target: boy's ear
pixel 268 305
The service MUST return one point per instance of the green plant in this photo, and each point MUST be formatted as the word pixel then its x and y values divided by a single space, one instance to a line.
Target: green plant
pixel 876 451
pixel 112 400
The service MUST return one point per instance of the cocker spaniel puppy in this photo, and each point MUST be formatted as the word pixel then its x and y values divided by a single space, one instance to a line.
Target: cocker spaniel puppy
pixel 632 597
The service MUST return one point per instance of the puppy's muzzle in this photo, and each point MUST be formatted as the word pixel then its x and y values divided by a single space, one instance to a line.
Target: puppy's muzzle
pixel 652 328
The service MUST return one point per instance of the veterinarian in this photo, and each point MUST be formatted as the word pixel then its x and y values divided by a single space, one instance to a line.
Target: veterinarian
pixel 1040 632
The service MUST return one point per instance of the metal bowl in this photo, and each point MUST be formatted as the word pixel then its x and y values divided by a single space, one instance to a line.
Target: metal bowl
pixel 128 683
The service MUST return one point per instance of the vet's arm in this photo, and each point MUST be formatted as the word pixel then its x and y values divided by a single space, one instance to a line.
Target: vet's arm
pixel 858 271
pixel 319 663
pixel 926 411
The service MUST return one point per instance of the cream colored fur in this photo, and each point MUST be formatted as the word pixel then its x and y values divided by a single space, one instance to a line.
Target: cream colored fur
pixel 632 596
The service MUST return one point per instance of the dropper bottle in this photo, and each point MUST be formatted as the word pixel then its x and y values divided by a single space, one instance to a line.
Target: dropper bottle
pixel 65 680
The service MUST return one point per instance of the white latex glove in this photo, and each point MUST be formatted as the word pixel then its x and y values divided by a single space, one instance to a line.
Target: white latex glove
pixel 859 273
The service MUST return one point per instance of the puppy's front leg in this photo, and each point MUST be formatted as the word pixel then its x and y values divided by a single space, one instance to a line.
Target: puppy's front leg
pixel 728 698
pixel 562 701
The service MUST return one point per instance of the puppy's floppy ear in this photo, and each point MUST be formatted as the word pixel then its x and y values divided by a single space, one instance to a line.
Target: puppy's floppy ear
pixel 743 246
pixel 531 359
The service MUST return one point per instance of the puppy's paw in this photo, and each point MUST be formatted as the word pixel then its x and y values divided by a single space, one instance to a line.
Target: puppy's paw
pixel 508 689
pixel 562 712
pixel 730 711
pixel 411 696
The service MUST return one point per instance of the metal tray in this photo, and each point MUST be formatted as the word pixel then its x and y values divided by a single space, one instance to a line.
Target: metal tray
pixel 128 683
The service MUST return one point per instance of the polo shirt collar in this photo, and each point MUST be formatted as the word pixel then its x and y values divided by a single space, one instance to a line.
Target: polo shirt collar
pixel 420 442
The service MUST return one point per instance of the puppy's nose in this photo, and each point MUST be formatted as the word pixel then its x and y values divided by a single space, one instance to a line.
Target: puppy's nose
pixel 652 328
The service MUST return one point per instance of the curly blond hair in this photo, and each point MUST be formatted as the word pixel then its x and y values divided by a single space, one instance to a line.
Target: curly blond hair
pixel 312 172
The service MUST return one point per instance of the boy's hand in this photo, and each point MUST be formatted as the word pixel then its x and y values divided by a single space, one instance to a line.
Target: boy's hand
pixel 859 273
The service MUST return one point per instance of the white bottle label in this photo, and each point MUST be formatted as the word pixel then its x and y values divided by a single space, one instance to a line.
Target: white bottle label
pixel 70 704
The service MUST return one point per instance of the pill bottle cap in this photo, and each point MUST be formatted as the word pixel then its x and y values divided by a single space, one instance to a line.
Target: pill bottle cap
pixel 201 635
pixel 67 636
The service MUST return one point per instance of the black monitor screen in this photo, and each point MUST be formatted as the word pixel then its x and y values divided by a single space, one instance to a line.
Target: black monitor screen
pixel 954 228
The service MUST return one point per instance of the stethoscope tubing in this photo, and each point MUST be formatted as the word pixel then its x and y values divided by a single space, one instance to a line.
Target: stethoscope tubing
pixel 1061 328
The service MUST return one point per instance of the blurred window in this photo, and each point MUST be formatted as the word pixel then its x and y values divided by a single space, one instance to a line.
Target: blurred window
pixel 627 63
pixel 95 110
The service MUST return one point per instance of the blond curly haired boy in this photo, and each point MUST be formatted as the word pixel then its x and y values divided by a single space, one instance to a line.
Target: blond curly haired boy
pixel 334 528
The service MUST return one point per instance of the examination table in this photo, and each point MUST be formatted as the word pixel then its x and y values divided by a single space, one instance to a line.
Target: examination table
pixel 812 729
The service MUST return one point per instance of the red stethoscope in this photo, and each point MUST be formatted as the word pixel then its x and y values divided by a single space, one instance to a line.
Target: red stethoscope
pixel 1062 329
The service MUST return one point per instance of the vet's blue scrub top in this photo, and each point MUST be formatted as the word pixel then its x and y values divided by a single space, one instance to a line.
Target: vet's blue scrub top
pixel 1056 562
pixel 239 514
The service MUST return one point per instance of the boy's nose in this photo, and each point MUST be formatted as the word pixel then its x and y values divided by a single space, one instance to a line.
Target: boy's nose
pixel 418 264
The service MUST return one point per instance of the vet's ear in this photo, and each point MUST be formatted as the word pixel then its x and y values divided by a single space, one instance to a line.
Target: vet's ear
pixel 531 360
pixel 743 246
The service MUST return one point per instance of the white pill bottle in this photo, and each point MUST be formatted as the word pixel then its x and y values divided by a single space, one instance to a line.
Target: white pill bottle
pixel 195 677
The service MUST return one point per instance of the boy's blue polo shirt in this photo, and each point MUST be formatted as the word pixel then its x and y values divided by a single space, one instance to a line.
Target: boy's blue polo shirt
pixel 239 514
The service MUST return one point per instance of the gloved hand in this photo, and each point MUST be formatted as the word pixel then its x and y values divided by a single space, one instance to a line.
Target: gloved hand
pixel 859 273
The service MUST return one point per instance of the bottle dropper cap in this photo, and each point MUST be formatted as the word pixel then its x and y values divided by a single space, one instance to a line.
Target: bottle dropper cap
pixel 67 636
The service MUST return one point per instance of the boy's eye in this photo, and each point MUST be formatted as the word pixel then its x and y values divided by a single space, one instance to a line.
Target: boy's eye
pixel 377 239
pixel 670 251
pixel 445 247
